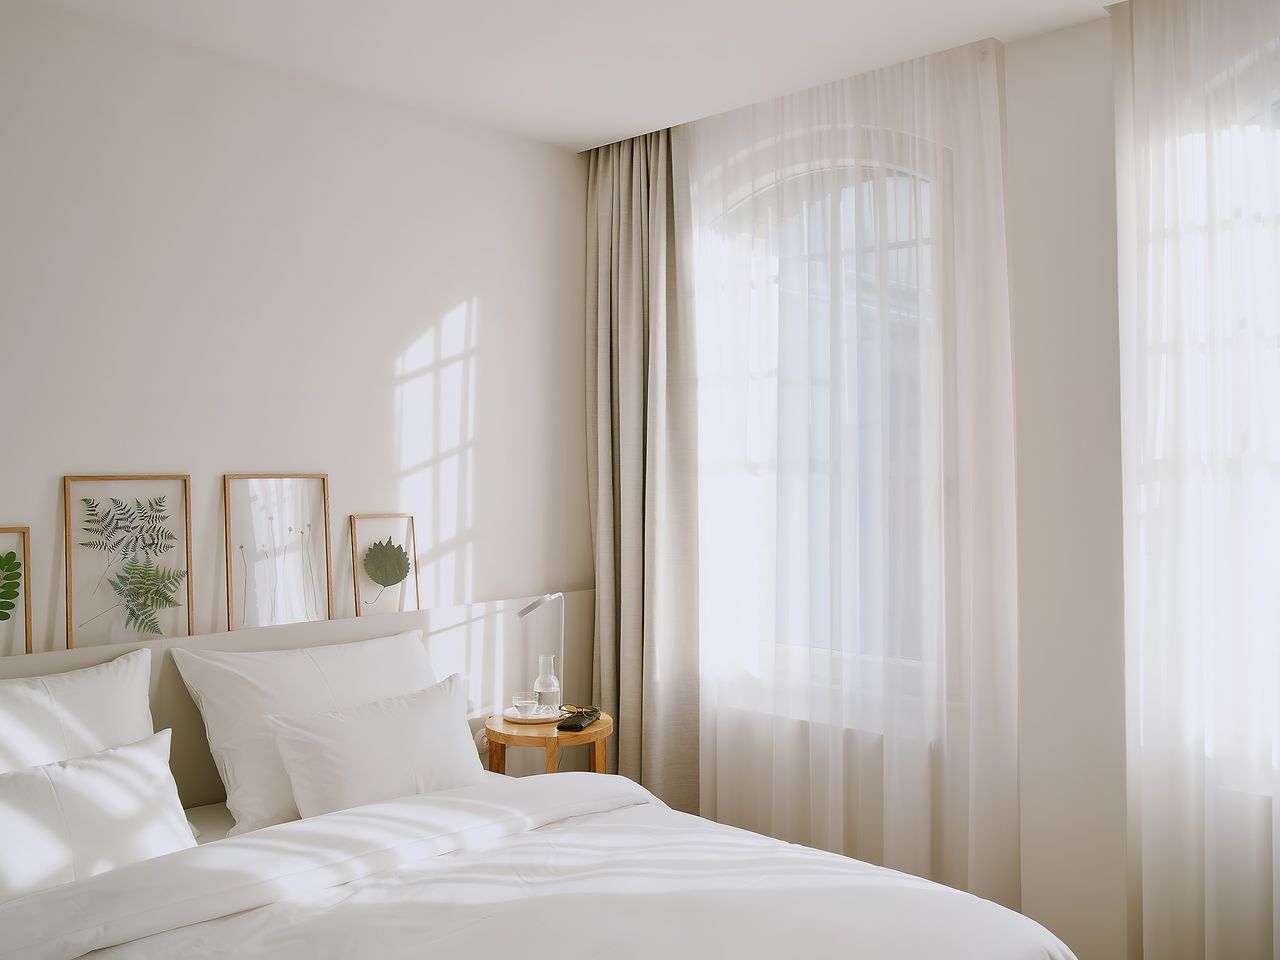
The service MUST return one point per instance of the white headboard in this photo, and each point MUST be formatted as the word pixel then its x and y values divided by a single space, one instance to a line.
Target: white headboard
pixel 484 641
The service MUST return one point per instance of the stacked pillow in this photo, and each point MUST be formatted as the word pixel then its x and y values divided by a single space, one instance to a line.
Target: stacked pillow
pixel 303 732
pixel 397 747
pixel 85 785
pixel 74 714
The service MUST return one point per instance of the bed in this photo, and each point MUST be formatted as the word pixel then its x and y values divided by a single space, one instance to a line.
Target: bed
pixel 532 867
pixel 539 866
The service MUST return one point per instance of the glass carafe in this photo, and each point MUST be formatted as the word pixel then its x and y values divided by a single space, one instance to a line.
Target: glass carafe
pixel 547 686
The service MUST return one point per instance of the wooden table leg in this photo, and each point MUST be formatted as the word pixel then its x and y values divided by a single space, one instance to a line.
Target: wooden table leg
pixel 552 756
pixel 597 763
pixel 497 757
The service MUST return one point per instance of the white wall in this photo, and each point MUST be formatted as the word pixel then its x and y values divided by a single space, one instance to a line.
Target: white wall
pixel 210 267
pixel 1062 238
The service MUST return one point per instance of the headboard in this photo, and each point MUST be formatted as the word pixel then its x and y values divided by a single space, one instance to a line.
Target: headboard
pixel 484 641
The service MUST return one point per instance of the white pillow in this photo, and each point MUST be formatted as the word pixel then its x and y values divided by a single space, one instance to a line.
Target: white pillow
pixel 77 818
pixel 74 714
pixel 398 747
pixel 236 691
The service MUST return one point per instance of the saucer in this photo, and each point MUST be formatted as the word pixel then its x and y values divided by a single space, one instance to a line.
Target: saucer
pixel 543 715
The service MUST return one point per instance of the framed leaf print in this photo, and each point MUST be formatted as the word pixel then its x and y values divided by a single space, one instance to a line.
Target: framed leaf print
pixel 277 536
pixel 128 554
pixel 384 555
pixel 15 601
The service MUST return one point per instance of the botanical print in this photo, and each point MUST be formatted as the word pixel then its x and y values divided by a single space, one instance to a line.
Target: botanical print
pixel 133 537
pixel 385 568
pixel 11 583
pixel 277 550
pixel 127 559
pixel 14 601
pixel 386 564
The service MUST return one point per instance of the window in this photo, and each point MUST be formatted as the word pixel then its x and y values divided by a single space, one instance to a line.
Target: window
pixel 847 355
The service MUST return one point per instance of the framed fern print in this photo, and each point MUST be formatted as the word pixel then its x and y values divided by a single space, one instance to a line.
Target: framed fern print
pixel 384 558
pixel 128 554
pixel 15 600
pixel 279 568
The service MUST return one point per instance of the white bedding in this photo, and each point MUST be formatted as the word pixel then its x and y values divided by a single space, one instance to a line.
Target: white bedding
pixel 537 867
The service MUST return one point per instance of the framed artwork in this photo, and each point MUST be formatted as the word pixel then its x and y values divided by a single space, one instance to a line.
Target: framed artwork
pixel 384 556
pixel 128 554
pixel 15 601
pixel 279 568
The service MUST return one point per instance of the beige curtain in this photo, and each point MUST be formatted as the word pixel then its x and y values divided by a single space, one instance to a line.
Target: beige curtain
pixel 641 448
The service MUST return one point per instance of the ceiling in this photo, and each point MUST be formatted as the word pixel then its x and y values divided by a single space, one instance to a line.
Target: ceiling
pixel 577 73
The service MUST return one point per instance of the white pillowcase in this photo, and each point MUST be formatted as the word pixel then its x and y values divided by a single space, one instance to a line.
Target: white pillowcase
pixel 236 691
pixel 74 714
pixel 398 747
pixel 77 818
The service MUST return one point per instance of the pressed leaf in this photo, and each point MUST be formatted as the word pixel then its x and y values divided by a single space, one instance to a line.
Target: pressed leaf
pixel 386 563
pixel 144 589
pixel 10 582
pixel 123 529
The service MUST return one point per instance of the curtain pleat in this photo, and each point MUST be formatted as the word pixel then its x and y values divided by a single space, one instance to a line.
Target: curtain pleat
pixel 642 457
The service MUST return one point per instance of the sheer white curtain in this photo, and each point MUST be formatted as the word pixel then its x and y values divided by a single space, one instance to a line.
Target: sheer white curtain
pixel 856 569
pixel 1198 107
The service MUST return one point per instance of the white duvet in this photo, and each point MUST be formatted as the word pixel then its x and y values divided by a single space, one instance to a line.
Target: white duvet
pixel 554 866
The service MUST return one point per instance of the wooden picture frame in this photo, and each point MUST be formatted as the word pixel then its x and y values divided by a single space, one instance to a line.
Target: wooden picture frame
pixel 306 573
pixel 24 536
pixel 70 544
pixel 356 567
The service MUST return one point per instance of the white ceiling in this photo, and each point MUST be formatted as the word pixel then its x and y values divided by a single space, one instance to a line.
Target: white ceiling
pixel 579 73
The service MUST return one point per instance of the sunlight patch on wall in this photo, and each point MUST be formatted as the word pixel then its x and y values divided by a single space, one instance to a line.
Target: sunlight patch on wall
pixel 436 431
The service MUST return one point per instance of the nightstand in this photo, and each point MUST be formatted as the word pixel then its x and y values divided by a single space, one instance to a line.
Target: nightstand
pixel 503 733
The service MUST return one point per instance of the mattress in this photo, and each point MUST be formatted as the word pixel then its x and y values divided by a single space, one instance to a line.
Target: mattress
pixel 211 822
pixel 539 867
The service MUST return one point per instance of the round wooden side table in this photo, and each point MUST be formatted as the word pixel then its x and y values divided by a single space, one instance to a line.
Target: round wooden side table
pixel 503 733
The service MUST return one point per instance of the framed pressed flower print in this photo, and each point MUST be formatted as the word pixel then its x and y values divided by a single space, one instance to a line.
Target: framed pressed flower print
pixel 15 601
pixel 384 555
pixel 128 556
pixel 279 568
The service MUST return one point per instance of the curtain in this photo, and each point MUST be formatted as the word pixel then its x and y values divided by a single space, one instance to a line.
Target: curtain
pixel 642 458
pixel 1198 178
pixel 855 471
